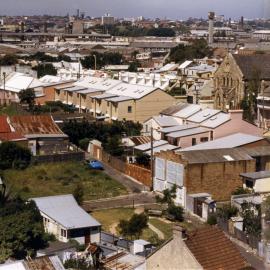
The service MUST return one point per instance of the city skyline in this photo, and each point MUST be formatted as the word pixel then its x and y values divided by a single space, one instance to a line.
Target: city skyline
pixel 180 9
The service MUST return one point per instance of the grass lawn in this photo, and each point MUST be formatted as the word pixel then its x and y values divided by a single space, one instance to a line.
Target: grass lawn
pixel 164 227
pixel 110 218
pixel 61 178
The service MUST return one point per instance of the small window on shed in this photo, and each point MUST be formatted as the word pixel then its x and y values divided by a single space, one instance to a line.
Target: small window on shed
pixel 129 109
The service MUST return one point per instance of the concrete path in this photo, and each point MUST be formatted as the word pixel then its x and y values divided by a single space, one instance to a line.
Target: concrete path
pixel 157 231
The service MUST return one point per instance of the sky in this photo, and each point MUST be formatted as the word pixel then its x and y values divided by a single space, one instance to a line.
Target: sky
pixel 174 9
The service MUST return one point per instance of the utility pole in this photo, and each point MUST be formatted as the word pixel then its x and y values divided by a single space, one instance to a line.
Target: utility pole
pixel 4 96
pixel 152 156
pixel 95 58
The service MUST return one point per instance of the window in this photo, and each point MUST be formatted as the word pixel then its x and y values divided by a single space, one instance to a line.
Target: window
pixel 129 109
pixel 78 95
pixel 194 142
pixel 204 139
pixel 63 233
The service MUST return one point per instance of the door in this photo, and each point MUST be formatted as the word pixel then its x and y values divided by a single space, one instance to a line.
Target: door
pixel 87 239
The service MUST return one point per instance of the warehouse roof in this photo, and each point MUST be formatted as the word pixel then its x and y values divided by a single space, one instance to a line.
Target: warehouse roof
pixel 165 121
pixel 214 156
pixel 65 211
pixel 230 141
pixel 178 128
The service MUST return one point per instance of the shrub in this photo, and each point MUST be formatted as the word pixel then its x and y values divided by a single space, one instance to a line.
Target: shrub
pixel 212 219
pixel 176 211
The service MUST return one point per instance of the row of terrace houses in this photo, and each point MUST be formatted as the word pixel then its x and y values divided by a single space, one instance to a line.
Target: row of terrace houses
pixel 108 99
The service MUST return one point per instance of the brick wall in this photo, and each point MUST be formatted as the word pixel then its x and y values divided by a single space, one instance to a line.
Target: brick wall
pixel 218 179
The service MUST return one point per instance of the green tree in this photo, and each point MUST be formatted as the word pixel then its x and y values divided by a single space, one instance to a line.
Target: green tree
pixel 8 60
pixel 78 193
pixel 143 159
pixel 27 96
pixel 161 32
pixel 168 196
pixel 45 69
pixel 13 155
pixel 177 212
pixel 133 66
pixel 21 230
pixel 198 49
pixel 226 211
pixel 251 218
pixel 240 191
pixel 134 226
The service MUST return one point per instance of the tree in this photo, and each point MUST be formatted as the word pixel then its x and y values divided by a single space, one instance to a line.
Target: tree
pixel 78 193
pixel 168 196
pixel 8 60
pixel 134 226
pixel 198 49
pixel 27 96
pixel 45 69
pixel 161 32
pixel 13 155
pixel 177 212
pixel 83 143
pixel 21 230
pixel 133 66
pixel 143 159
pixel 226 211
pixel 251 218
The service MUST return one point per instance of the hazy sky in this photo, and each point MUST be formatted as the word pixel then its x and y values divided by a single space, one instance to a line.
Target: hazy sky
pixel 127 8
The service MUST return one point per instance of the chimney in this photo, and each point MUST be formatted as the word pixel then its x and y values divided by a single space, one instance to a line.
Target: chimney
pixel 211 17
pixel 236 114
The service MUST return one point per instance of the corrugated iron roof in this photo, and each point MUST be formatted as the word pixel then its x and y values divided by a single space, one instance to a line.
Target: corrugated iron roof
pixel 35 124
pixel 215 156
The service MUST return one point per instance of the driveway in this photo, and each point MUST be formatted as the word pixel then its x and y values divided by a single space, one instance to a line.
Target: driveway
pixel 132 185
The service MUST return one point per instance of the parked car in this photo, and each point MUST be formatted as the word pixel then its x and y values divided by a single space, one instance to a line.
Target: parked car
pixel 96 165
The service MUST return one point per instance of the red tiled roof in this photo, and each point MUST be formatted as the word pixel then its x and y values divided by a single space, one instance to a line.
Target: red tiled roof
pixel 214 251
pixel 35 124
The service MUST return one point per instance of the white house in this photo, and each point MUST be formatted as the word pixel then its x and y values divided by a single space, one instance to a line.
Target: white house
pixel 65 219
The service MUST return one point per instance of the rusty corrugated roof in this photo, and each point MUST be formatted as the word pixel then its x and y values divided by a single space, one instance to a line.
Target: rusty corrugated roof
pixel 213 250
pixel 35 124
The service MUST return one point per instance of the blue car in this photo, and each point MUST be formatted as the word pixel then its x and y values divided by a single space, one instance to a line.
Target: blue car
pixel 96 165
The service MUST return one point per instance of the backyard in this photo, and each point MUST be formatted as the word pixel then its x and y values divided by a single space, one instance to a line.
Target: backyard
pixel 62 178
pixel 109 218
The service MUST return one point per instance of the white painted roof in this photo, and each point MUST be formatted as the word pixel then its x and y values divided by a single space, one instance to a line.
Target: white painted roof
pixel 187 132
pixel 230 141
pixel 19 81
pixel 165 121
pixel 216 120
pixel 65 211
pixel 185 64
pixel 188 111
pixel 178 128
pixel 164 147
pixel 147 146
pixel 168 67
pixel 132 90
pixel 50 79
pixel 102 84
pixel 119 99
pixel 203 115
pixel 13 266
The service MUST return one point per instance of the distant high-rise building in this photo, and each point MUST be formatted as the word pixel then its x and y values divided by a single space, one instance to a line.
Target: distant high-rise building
pixel 266 9
pixel 107 19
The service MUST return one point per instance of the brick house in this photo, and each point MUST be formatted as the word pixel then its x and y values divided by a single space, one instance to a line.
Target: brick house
pixel 216 172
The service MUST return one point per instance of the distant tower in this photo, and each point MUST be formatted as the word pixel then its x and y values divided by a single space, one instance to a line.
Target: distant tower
pixel 211 17
pixel 266 9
